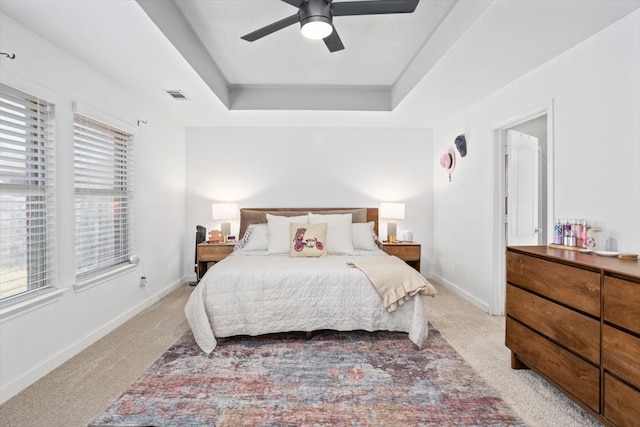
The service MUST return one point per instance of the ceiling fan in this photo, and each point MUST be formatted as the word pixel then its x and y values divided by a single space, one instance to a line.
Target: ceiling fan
pixel 316 17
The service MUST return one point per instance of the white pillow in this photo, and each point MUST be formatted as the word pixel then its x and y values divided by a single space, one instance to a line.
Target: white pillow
pixel 339 234
pixel 256 238
pixel 363 236
pixel 279 232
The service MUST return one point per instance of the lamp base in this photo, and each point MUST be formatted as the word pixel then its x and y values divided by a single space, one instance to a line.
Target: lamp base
pixel 225 229
pixel 392 230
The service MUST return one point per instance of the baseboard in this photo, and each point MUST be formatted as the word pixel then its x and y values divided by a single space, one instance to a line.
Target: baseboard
pixel 482 305
pixel 30 377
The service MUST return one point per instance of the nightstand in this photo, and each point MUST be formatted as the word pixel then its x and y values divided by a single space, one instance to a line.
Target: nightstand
pixel 408 252
pixel 212 252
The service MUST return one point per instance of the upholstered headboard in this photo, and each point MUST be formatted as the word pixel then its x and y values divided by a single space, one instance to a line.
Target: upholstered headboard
pixel 259 215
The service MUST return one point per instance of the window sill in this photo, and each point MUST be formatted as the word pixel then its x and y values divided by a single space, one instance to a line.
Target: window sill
pixel 25 306
pixel 93 281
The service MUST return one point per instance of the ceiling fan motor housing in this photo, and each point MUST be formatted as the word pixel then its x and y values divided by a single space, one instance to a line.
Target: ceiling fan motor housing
pixel 315 10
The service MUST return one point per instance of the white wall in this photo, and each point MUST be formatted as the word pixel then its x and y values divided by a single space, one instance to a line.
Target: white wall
pixel 37 341
pixel 595 91
pixel 312 167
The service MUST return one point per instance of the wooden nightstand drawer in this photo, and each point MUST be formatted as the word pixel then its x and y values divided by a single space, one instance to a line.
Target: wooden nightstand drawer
pixel 408 252
pixel 212 252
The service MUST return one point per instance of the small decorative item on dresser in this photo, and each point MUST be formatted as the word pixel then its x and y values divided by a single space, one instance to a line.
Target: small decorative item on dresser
pixel 594 239
pixel 558 232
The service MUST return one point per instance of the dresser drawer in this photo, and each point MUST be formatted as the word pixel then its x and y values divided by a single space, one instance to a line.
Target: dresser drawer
pixel 621 354
pixel 573 330
pixel 572 286
pixel 620 402
pixel 622 303
pixel 578 377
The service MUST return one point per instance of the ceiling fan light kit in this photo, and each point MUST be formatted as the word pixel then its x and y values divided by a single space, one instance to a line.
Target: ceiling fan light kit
pixel 316 28
pixel 316 17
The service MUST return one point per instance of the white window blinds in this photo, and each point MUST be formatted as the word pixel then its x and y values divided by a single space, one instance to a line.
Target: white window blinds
pixel 27 194
pixel 103 174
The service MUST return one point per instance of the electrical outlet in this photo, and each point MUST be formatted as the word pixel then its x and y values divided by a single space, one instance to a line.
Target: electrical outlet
pixel 143 281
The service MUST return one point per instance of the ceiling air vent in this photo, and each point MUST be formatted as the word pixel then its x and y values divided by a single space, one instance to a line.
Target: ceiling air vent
pixel 177 94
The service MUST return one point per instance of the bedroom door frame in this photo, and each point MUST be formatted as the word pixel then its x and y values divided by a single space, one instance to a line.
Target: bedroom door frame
pixel 499 130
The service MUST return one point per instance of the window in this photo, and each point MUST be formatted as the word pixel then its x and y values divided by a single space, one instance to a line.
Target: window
pixel 103 196
pixel 27 194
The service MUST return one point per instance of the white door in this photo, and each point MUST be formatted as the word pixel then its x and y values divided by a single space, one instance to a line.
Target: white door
pixel 522 189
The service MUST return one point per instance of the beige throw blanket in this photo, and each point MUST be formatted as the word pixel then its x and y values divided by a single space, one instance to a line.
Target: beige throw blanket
pixel 394 280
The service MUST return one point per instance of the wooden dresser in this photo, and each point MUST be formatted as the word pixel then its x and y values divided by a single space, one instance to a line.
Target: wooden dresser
pixel 574 318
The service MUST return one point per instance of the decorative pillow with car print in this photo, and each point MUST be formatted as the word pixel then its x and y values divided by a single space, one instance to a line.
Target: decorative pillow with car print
pixel 307 240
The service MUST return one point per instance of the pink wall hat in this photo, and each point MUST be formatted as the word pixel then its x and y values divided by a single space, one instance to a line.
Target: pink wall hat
pixel 448 161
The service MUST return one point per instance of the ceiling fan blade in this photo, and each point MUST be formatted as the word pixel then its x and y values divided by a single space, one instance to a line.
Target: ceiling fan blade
pixel 296 3
pixel 373 7
pixel 272 28
pixel 333 41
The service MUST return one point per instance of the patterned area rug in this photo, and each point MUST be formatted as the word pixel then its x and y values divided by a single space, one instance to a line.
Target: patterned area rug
pixel 333 379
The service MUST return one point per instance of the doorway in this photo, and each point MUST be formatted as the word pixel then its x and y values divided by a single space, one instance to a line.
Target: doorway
pixel 523 183
pixel 525 163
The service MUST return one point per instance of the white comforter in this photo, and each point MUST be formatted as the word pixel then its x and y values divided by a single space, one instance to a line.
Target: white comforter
pixel 251 293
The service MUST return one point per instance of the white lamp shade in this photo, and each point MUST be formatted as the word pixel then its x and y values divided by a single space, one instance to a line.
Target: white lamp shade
pixel 392 210
pixel 223 211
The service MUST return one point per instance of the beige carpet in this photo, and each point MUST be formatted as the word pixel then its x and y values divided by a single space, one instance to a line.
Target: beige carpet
pixel 81 389
pixel 479 339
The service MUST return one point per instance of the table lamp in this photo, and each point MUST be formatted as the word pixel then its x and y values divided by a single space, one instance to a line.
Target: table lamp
pixel 392 211
pixel 223 212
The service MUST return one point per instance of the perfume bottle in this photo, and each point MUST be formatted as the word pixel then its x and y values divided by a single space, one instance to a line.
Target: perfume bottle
pixel 567 232
pixel 558 232
pixel 577 231
pixel 585 233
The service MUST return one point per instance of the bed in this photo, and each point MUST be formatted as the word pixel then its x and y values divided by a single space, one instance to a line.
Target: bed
pixel 300 269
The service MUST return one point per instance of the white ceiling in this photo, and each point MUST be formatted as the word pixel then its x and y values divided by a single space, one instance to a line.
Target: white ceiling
pixel 377 47
pixel 286 71
pixel 449 52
